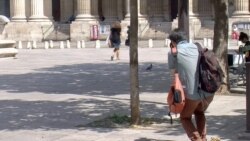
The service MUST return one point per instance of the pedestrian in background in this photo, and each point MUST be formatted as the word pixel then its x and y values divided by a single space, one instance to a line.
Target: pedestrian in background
pixel 235 32
pixel 115 39
pixel 185 61
pixel 245 39
pixel 127 41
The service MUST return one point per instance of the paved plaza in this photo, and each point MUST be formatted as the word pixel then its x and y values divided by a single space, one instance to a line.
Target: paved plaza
pixel 46 94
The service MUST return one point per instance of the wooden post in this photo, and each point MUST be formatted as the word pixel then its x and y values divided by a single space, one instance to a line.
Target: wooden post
pixel 248 97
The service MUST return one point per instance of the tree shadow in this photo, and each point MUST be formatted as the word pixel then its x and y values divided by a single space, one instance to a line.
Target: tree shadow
pixel 82 79
pixel 227 126
pixel 148 139
pixel 69 113
pixel 97 81
pixel 51 115
pixel 100 83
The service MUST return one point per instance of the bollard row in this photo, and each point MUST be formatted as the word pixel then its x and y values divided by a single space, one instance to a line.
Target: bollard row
pixel 62 45
pixel 97 44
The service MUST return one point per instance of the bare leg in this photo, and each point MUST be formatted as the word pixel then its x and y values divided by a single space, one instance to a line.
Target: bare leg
pixel 118 54
pixel 113 54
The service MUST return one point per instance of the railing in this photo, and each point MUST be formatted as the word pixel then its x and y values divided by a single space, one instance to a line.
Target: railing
pixel 47 31
pixel 58 31
pixel 143 30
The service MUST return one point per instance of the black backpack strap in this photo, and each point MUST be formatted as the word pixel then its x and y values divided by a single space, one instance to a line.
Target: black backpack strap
pixel 200 50
pixel 171 118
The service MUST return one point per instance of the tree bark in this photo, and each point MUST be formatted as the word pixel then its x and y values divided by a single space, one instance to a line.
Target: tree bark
pixel 221 40
pixel 134 81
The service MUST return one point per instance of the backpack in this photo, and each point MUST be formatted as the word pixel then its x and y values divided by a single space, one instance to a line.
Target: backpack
pixel 176 97
pixel 210 72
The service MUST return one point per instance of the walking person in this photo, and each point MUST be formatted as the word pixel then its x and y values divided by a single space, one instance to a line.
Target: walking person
pixel 235 32
pixel 245 39
pixel 184 60
pixel 115 39
pixel 127 41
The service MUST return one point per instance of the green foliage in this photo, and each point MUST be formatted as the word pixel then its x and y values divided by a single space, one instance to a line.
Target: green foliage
pixel 123 121
pixel 120 119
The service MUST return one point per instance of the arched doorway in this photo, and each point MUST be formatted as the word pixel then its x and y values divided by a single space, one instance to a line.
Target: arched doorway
pixel 56 10
pixel 5 8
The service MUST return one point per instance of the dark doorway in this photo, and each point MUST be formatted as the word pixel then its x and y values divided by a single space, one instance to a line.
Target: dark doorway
pixel 100 13
pixel 5 8
pixel 56 12
pixel 174 9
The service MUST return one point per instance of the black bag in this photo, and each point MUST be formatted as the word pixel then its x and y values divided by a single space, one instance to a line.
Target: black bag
pixel 127 42
pixel 210 72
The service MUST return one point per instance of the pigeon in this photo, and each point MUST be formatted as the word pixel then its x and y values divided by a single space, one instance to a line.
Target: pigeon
pixel 149 68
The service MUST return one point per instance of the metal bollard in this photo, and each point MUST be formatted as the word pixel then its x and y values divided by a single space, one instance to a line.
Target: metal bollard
pixel 248 96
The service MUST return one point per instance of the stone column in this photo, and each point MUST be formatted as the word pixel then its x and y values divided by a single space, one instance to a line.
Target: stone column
pixel 83 10
pixel 241 8
pixel 18 11
pixel 195 7
pixel 194 21
pixel 139 8
pixel 37 11
pixel 144 7
pixel 191 10
pixel 142 4
pixel 127 16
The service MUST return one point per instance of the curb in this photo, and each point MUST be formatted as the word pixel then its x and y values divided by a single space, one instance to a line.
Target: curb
pixel 238 90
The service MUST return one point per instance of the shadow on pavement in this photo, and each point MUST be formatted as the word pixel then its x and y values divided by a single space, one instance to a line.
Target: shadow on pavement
pixel 147 139
pixel 83 79
pixel 227 126
pixel 67 114
pixel 99 81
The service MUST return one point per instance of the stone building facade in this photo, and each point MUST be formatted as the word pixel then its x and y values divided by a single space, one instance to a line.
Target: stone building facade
pixel 83 19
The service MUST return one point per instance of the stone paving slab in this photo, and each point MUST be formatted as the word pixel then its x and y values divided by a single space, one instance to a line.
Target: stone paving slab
pixel 46 94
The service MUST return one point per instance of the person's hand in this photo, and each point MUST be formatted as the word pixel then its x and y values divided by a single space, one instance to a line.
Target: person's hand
pixel 173 49
pixel 171 45
pixel 247 54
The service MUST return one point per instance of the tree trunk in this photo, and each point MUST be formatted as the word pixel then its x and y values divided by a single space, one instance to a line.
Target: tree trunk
pixel 221 40
pixel 134 81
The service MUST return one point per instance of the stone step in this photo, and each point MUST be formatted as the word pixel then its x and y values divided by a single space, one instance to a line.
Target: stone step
pixel 152 34
pixel 58 32
pixel 157 31
pixel 1 37
pixel 7 44
pixel 57 36
pixel 8 52
pixel 205 33
pixel 8 48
